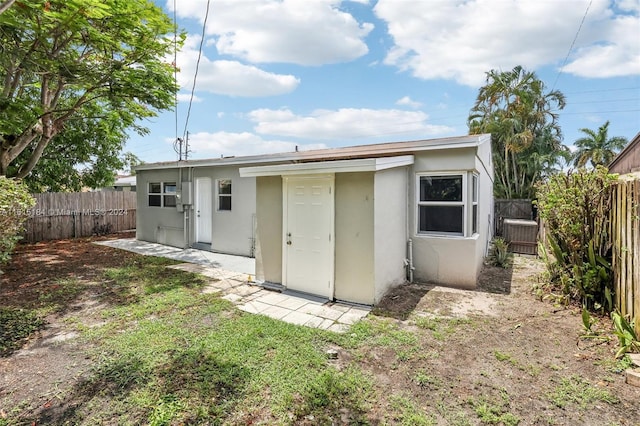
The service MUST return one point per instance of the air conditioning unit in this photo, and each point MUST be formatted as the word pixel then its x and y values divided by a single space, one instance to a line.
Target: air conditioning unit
pixel 522 235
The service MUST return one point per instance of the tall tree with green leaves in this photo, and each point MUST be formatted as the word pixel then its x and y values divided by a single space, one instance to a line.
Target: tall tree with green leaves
pixel 6 5
pixel 521 116
pixel 596 147
pixel 74 71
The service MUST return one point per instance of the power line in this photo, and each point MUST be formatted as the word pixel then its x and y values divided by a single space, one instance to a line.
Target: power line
pixel 598 112
pixel 572 44
pixel 602 90
pixel 606 101
pixel 175 60
pixel 195 76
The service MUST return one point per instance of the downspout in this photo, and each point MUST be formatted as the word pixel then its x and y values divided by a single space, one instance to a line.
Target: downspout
pixel 184 211
pixel 409 261
pixel 187 216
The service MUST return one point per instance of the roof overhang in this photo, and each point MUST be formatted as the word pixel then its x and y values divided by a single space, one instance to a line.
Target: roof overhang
pixel 337 166
pixel 331 154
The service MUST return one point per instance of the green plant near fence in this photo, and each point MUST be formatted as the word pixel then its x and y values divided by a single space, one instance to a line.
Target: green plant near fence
pixel 575 207
pixel 15 202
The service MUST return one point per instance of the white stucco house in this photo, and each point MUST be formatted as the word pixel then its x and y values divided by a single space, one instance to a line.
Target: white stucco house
pixel 344 223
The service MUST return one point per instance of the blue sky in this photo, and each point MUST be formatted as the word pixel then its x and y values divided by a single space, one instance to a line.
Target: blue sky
pixel 329 73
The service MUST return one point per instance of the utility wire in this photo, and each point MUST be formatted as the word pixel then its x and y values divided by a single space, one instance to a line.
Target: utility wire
pixel 195 76
pixel 175 60
pixel 566 58
pixel 602 90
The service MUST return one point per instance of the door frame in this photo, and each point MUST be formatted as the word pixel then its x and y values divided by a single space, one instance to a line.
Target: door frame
pixel 286 182
pixel 197 209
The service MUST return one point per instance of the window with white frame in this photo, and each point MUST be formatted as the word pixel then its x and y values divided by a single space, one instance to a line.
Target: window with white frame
pixel 474 204
pixel 441 204
pixel 224 194
pixel 162 194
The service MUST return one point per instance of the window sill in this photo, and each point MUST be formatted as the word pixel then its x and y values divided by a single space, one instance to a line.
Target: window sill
pixel 446 236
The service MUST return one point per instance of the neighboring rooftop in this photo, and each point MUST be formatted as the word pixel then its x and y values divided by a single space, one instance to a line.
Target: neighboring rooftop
pixel 125 181
pixel 627 160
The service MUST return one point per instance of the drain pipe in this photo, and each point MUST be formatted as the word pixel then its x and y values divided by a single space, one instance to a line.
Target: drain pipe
pixel 409 261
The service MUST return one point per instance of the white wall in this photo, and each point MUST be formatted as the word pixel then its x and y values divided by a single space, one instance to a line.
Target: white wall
pixel 232 231
pixel 484 165
pixel 164 225
pixel 390 229
pixel 354 233
pixel 453 260
pixel 269 229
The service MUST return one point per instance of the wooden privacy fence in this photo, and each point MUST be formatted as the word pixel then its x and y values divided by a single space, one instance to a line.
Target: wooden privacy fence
pixel 510 209
pixel 625 239
pixel 80 214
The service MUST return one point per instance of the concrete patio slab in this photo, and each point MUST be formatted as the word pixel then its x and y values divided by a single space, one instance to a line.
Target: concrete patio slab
pixel 298 318
pixel 273 298
pixel 276 312
pixel 350 317
pixel 230 276
pixel 227 262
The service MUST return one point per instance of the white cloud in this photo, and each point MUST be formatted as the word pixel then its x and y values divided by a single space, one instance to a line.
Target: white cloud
pixel 229 77
pixel 343 123
pixel 309 32
pixel 461 40
pixel 212 145
pixel 618 55
pixel 406 100
pixel 186 97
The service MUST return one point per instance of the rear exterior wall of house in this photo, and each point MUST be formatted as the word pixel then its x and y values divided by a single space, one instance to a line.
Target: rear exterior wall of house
pixel 161 218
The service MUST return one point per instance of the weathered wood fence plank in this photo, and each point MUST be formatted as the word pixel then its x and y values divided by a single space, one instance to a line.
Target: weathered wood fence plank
pixel 625 236
pixel 510 209
pixel 71 215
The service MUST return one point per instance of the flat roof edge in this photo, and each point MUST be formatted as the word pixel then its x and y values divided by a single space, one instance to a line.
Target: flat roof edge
pixel 321 167
pixel 359 151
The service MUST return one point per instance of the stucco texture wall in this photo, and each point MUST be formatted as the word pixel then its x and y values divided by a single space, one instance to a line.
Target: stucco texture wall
pixel 164 225
pixel 453 260
pixel 354 237
pixel 390 229
pixel 269 229
pixel 232 231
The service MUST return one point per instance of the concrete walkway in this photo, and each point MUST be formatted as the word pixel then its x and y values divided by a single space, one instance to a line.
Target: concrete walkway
pixel 232 277
pixel 241 264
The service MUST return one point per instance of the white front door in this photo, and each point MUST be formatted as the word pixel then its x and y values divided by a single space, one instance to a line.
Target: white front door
pixel 203 210
pixel 308 241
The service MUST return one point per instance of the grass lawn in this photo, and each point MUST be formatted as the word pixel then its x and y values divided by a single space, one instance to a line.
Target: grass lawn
pixel 161 352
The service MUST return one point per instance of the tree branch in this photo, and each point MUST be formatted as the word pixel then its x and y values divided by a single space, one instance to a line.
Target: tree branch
pixel 6 5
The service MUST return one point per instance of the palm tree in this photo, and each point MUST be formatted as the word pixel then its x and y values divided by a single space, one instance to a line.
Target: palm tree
pixel 597 148
pixel 521 116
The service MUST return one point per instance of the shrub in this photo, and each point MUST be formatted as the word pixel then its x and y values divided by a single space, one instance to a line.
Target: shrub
pixel 575 208
pixel 499 254
pixel 15 202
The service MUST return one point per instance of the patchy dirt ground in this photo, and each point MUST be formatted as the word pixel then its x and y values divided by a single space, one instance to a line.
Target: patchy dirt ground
pixel 498 351
pixel 52 361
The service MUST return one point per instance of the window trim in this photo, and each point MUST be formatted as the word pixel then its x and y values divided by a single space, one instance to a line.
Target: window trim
pixel 466 204
pixel 219 195
pixel 163 193
pixel 475 191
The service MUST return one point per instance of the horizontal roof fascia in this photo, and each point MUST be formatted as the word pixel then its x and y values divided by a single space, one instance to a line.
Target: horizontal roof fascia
pixel 353 152
pixel 337 166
